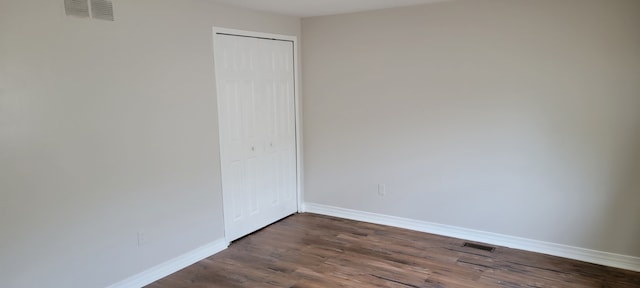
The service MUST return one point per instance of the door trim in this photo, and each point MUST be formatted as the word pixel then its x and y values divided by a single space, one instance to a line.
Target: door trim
pixel 297 104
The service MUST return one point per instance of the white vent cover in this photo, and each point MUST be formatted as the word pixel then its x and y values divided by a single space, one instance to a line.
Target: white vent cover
pixel 102 9
pixel 99 9
pixel 78 8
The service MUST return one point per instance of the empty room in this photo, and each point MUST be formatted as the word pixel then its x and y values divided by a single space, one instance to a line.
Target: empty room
pixel 319 143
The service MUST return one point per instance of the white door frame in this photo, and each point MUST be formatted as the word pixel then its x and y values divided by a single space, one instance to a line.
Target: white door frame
pixel 298 107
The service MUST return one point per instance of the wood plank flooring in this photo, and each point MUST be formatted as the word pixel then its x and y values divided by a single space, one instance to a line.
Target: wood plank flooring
pixel 308 250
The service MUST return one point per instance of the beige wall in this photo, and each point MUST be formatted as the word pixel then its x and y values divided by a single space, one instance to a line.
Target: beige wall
pixel 107 129
pixel 513 117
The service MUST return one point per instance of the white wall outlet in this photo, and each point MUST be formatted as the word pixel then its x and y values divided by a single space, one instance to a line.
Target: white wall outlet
pixel 382 189
pixel 142 239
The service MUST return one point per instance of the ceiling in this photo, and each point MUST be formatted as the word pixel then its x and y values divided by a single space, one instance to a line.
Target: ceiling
pixel 310 8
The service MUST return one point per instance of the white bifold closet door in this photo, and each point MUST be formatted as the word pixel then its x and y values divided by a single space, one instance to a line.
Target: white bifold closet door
pixel 256 111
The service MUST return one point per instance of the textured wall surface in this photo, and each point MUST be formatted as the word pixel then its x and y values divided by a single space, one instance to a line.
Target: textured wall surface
pixel 108 129
pixel 513 117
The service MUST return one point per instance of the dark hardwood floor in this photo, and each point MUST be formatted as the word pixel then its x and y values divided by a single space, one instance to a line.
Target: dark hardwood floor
pixel 308 250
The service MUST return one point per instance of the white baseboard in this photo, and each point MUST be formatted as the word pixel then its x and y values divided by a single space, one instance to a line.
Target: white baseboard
pixel 582 254
pixel 169 267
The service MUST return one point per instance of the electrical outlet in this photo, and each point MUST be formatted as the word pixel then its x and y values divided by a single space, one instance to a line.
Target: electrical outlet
pixel 382 189
pixel 142 239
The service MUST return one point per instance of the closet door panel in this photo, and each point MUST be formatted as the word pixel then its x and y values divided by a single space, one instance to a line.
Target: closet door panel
pixel 255 84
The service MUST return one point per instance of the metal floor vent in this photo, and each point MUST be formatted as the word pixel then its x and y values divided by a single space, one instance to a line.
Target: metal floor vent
pixel 479 246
